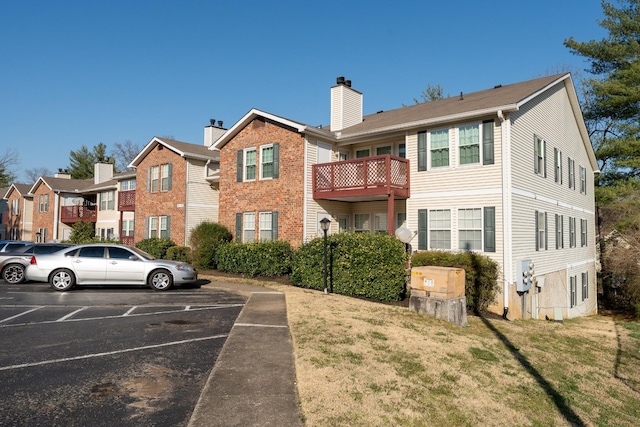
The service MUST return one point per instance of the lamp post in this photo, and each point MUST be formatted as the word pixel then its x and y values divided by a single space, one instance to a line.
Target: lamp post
pixel 37 237
pixel 324 225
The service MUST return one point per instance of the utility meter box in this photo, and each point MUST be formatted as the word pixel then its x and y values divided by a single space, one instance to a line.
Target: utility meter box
pixel 437 282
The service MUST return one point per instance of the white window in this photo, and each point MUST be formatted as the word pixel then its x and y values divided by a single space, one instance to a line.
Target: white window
pixel 249 227
pixel 363 152
pixel 380 223
pixel 43 203
pixel 470 229
pixel 572 174
pixel 153 227
pixel 573 284
pixel 557 162
pixel 15 207
pixel 541 231
pixel 164 227
pixel 154 176
pixel 362 223
pixel 107 200
pixel 127 184
pixel 165 177
pixel 384 149
pixel 469 142
pixel 540 149
pixel 439 148
pixel 402 150
pixel 343 222
pixel 572 232
pixel 559 231
pixel 266 226
pixel 440 229
pixel 127 227
pixel 250 165
pixel 266 161
pixel 583 232
pixel 585 285
pixel 583 180
pixel 105 233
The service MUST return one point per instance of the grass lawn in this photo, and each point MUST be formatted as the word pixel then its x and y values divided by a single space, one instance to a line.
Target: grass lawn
pixel 361 363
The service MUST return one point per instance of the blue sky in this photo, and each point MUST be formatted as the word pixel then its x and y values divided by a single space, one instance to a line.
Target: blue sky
pixel 76 73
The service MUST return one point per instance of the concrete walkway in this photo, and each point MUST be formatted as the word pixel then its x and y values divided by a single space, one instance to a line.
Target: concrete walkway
pixel 253 382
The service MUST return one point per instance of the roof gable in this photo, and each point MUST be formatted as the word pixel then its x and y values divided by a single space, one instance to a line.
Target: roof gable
pixel 183 149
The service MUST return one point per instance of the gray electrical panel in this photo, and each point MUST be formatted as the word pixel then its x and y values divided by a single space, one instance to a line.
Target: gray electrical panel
pixel 524 275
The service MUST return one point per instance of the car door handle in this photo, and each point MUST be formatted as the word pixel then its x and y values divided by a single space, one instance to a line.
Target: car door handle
pixel 113 262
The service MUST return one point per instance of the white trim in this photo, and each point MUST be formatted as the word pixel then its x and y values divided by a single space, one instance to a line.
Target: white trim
pixel 507 207
pixel 458 193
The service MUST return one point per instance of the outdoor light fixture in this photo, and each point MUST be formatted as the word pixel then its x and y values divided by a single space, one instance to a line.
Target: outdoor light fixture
pixel 324 225
pixel 37 237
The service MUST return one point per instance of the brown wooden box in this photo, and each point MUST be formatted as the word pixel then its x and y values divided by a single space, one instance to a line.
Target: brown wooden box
pixel 438 282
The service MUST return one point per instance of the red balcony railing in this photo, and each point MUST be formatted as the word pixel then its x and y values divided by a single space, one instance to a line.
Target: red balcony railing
pixel 127 240
pixel 127 200
pixel 71 214
pixel 362 178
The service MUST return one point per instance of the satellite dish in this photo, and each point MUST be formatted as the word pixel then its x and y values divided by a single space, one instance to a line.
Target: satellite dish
pixel 404 234
pixel 77 200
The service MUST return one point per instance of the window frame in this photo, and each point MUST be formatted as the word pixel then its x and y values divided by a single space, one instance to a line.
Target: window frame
pixel 571 164
pixel 583 233
pixel 583 179
pixel 559 231
pixel 477 143
pixel 572 232
pixel 431 150
pixel 265 226
pixel 557 171
pixel 433 218
pixel 479 230
pixel 540 156
pixel 356 223
pixel 263 164
pixel 107 200
pixel 248 226
pixel 246 167
pixel 166 172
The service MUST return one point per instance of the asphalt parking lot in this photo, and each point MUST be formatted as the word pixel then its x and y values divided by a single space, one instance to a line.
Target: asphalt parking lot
pixel 108 356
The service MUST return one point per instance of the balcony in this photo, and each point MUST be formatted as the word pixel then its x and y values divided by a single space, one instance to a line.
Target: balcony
pixel 73 214
pixel 364 179
pixel 127 240
pixel 127 200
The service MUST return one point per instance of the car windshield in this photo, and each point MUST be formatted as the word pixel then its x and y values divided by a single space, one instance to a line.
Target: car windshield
pixel 142 253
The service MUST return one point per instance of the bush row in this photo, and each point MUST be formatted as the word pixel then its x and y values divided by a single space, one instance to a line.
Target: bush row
pixel 481 274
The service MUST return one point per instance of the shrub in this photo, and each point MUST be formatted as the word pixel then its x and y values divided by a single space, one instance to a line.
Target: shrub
pixel 179 253
pixel 82 232
pixel 155 246
pixel 359 264
pixel 270 259
pixel 205 240
pixel 481 274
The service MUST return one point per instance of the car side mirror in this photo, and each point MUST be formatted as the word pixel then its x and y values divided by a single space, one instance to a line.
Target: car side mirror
pixel 134 258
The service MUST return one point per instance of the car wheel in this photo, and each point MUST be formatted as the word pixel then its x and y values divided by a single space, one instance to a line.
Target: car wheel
pixel 62 280
pixel 13 273
pixel 160 280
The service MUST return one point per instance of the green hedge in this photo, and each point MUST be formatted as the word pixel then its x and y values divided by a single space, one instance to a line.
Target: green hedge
pixel 270 259
pixel 481 274
pixel 179 253
pixel 155 246
pixel 359 264
pixel 205 240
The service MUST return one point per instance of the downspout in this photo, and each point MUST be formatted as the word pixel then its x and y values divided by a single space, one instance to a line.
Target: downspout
pixel 305 205
pixel 56 214
pixel 507 256
pixel 186 204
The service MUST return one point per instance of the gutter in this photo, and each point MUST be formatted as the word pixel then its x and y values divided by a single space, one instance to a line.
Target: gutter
pixel 507 214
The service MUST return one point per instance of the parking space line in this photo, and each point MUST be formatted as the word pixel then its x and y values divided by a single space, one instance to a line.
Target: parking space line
pixel 110 353
pixel 20 314
pixel 130 310
pixel 63 318
pixel 187 308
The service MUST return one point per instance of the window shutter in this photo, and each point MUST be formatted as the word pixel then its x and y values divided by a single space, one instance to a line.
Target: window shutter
pixel 422 229
pixel 537 232
pixel 535 154
pixel 146 227
pixel 276 161
pixel 422 151
pixel 274 225
pixel 239 227
pixel 487 143
pixel 544 157
pixel 169 221
pixel 170 175
pixel 490 229
pixel 239 167
pixel 546 232
pixel 148 180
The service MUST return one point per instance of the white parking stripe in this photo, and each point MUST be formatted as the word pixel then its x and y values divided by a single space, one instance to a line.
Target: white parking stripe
pixel 187 308
pixel 63 318
pixel 130 310
pixel 21 314
pixel 109 353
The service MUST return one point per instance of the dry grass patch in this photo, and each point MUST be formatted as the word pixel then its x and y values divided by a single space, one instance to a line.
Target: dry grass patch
pixel 361 363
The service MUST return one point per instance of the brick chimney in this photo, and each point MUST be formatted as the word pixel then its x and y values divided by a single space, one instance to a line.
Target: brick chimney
pixel 346 105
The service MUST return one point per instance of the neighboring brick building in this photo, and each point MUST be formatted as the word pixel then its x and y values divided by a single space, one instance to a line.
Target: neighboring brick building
pixel 176 188
pixel 19 212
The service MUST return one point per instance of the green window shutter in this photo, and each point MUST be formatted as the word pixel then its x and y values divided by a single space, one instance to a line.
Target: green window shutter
pixel 490 229
pixel 276 160
pixel 422 151
pixel 544 160
pixel 169 223
pixel 487 143
pixel 274 225
pixel 546 232
pixel 422 229
pixel 146 227
pixel 148 180
pixel 239 167
pixel 239 227
pixel 170 176
pixel 537 232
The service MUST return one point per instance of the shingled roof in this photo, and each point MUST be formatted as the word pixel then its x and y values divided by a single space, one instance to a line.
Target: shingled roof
pixel 184 149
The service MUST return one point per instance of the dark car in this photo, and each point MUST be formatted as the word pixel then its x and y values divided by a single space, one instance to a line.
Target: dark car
pixel 14 262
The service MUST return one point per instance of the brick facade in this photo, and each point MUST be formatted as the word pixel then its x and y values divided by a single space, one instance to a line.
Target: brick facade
pixel 284 194
pixel 161 203
pixel 16 220
pixel 44 220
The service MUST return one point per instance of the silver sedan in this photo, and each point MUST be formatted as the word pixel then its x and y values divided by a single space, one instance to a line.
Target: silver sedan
pixel 107 264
